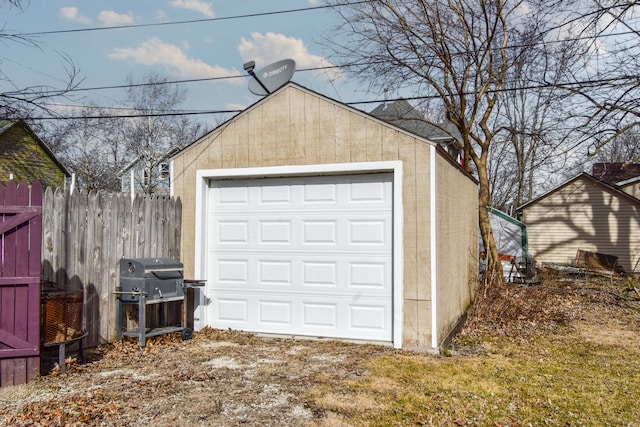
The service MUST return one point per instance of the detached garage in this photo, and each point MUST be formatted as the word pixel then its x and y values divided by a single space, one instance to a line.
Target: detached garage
pixel 307 217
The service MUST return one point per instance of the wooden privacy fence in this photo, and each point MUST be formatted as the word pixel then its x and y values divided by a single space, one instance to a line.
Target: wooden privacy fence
pixel 86 234
pixel 20 243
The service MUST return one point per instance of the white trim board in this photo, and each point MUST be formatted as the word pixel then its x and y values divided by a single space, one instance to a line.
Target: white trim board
pixel 204 176
pixel 434 246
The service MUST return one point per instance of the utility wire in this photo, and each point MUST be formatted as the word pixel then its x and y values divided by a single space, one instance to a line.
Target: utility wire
pixel 353 103
pixel 80 89
pixel 109 87
pixel 193 21
pixel 241 76
pixel 250 15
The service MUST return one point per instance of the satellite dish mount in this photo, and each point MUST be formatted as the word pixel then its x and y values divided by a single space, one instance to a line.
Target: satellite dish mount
pixel 271 77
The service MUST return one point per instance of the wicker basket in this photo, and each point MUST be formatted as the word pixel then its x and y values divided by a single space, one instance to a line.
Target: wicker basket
pixel 61 316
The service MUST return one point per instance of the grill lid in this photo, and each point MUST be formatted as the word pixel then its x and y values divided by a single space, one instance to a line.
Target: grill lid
pixel 147 267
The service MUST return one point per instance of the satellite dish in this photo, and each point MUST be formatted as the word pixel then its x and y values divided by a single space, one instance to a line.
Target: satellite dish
pixel 271 77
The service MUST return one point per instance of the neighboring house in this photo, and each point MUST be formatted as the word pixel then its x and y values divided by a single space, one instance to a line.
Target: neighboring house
pixel 631 186
pixel 23 155
pixel 402 114
pixel 308 217
pixel 154 180
pixel 584 213
pixel 625 175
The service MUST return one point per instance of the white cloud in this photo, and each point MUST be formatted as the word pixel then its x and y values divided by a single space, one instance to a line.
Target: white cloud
pixel 196 5
pixel 161 16
pixel 109 18
pixel 271 47
pixel 155 52
pixel 314 2
pixel 105 17
pixel 233 106
pixel 73 14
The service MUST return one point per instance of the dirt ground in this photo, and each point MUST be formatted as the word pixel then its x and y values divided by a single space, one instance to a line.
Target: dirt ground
pixel 219 378
pixel 227 378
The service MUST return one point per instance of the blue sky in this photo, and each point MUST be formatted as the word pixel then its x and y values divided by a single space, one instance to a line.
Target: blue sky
pixel 215 48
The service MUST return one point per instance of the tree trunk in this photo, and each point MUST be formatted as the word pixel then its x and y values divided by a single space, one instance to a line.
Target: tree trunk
pixel 493 270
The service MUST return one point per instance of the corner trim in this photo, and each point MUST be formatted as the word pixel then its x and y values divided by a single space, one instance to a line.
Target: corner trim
pixel 434 258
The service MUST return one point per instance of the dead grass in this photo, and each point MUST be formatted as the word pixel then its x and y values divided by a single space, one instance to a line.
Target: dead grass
pixel 564 352
pixel 561 353
pixel 546 384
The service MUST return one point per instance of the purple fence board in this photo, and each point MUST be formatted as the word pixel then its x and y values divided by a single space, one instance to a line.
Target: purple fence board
pixel 21 243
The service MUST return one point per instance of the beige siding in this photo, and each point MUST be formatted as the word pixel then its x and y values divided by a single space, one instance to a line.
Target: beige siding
pixel 632 189
pixel 297 127
pixel 584 215
pixel 457 243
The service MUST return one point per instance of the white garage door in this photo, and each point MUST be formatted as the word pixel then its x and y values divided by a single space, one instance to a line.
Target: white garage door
pixel 302 256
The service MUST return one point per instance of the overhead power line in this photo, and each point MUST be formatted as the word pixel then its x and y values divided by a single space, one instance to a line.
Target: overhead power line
pixel 168 82
pixel 193 21
pixel 243 16
pixel 566 85
pixel 243 76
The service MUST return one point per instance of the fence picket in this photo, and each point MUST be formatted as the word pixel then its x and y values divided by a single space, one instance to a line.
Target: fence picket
pixel 85 236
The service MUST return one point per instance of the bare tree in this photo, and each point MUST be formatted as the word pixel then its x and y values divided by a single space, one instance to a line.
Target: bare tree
pixel 141 131
pixel 609 86
pixel 23 102
pixel 535 115
pixel 156 128
pixel 458 51
pixel 622 148
pixel 90 147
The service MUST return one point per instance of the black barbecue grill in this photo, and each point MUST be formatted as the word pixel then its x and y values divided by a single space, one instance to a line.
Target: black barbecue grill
pixel 145 281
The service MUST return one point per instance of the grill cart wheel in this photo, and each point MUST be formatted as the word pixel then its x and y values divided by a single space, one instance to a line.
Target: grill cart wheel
pixel 187 334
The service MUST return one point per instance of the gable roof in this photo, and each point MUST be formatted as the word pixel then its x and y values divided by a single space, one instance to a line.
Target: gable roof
pixel 310 91
pixel 325 98
pixel 607 187
pixel 402 114
pixel 6 125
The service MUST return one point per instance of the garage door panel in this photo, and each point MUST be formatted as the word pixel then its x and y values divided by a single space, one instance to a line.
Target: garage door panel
pixel 274 232
pixel 303 272
pixel 319 273
pixel 321 193
pixel 232 197
pixel 274 194
pixel 229 232
pixel 304 315
pixel 275 272
pixel 274 313
pixel 302 256
pixel 319 315
pixel 231 310
pixel 370 318
pixel 319 232
pixel 369 275
pixel 353 232
pixel 368 232
pixel 232 271
pixel 368 192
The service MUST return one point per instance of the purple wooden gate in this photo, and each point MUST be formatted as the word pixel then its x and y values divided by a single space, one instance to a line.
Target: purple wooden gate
pixel 20 249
